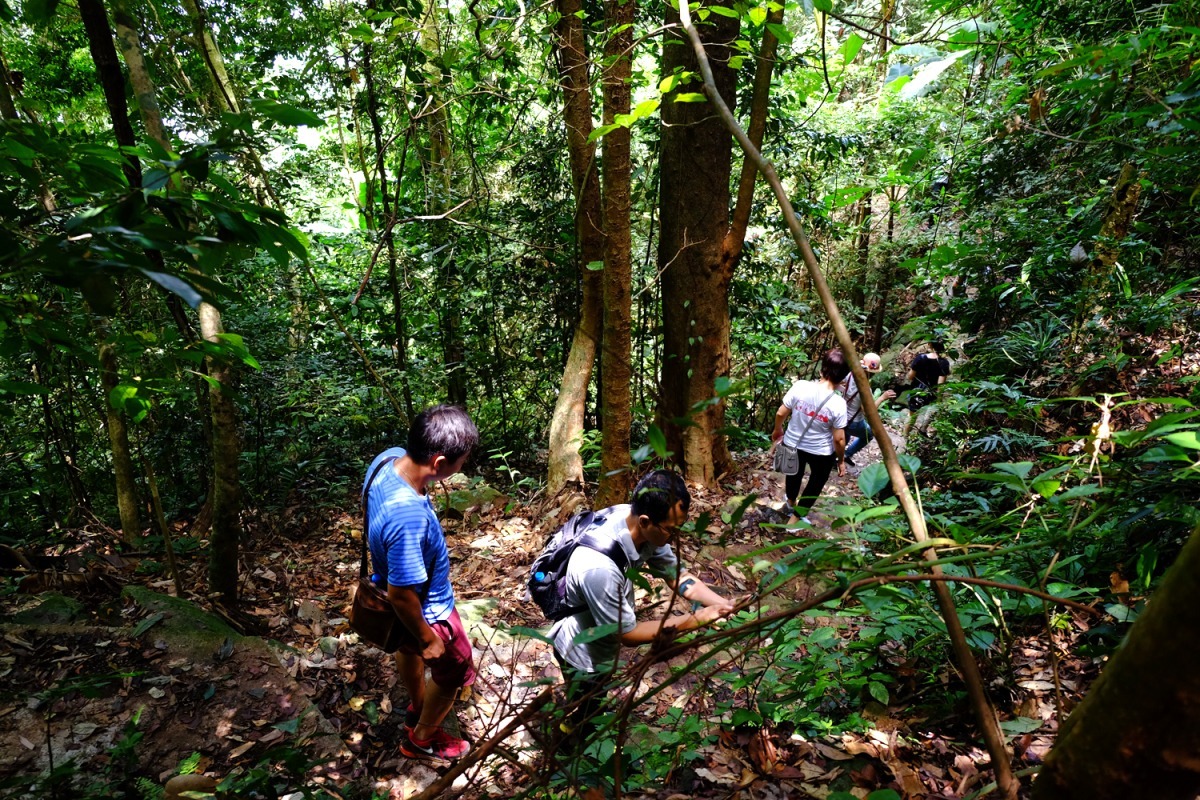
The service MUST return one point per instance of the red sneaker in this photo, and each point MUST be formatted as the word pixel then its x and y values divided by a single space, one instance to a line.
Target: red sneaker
pixel 442 746
pixel 411 718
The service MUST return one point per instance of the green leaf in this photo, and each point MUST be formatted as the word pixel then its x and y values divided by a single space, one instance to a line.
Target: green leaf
pixel 1020 726
pixel 1019 468
pixel 530 633
pixel 849 49
pixel 1046 488
pixel 148 623
pixel 588 635
pixel 884 794
pixel 690 97
pixel 291 726
pixel 878 691
pixel 823 5
pixel 22 387
pixel 175 285
pixel 1188 439
pixel 39 12
pixel 908 463
pixel 286 114
pixel 780 32
pixel 872 479
pixel 603 130
pixel 371 712
pixel 724 11
pixel 657 439
pixel 758 15
pixel 595 266
pixel 667 84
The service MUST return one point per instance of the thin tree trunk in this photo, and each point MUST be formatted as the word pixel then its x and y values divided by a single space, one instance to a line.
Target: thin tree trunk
pixel 399 328
pixel 441 172
pixel 615 396
pixel 118 438
pixel 224 93
pixel 226 446
pixel 108 70
pixel 694 258
pixel 566 425
pixel 8 110
pixel 1136 735
pixel 226 449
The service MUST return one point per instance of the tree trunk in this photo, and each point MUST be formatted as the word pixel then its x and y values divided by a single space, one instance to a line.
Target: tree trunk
pixel 139 75
pixel 566 425
pixel 223 93
pixel 387 229
pixel 1136 735
pixel 227 450
pixel 118 438
pixel 694 200
pixel 617 371
pixel 441 173
pixel 108 70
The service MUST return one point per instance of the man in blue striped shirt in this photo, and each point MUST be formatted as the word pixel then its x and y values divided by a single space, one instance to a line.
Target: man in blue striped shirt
pixel 411 562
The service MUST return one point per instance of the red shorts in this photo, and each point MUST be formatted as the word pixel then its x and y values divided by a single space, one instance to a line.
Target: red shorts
pixel 455 668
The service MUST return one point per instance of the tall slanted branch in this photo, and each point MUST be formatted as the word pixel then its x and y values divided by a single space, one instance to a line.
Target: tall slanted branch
pixel 985 714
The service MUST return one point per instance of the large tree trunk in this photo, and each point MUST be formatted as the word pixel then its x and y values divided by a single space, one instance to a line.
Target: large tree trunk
pixel 118 438
pixel 617 371
pixel 694 201
pixel 1136 735
pixel 566 425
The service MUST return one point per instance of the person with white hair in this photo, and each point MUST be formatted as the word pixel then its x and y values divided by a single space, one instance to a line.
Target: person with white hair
pixel 858 432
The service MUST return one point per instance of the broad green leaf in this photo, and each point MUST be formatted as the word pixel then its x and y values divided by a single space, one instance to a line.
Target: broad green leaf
pixel 872 479
pixel 758 15
pixel 595 266
pixel 823 5
pixel 175 285
pixel 723 11
pixel 1046 488
pixel 849 49
pixel 601 131
pixel 290 726
pixel 22 387
pixel 148 623
pixel 286 114
pixel 908 463
pixel 588 635
pixel 1188 439
pixel 530 633
pixel 658 440
pixel 1019 468
pixel 923 80
pixel 690 97
pixel 884 794
pixel 878 691
pixel 780 32
pixel 645 108
pixel 1020 726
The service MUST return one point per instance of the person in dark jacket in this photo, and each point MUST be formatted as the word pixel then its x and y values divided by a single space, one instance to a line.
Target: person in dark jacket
pixel 927 372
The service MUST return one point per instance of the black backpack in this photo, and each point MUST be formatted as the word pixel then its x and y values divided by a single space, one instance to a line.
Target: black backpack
pixel 548 574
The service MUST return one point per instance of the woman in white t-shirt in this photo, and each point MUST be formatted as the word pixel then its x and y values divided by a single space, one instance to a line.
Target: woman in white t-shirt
pixel 816 432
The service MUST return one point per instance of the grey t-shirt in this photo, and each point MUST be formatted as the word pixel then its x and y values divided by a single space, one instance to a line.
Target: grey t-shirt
pixel 595 582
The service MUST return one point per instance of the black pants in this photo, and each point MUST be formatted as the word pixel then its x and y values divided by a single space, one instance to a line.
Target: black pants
pixel 819 468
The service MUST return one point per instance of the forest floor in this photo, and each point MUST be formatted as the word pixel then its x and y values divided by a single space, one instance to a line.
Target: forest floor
pixel 125 686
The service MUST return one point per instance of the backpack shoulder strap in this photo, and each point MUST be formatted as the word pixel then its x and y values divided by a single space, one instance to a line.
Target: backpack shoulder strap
pixel 362 567
pixel 611 549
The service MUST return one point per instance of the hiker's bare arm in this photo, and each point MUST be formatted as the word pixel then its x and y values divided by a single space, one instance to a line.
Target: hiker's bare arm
pixel 645 632
pixel 839 449
pixel 407 604
pixel 783 413
pixel 695 590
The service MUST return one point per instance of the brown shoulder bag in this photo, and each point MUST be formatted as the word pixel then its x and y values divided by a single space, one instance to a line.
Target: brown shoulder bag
pixel 371 615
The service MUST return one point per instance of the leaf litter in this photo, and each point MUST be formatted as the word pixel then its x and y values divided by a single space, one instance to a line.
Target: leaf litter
pixel 341 702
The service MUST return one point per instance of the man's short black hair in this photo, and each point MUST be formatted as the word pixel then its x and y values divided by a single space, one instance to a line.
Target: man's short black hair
pixel 938 346
pixel 658 492
pixel 443 430
pixel 834 367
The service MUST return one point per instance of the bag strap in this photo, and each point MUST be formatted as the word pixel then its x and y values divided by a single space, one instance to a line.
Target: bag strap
pixel 612 549
pixel 814 416
pixel 362 567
